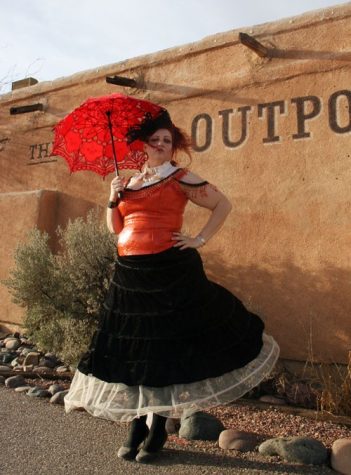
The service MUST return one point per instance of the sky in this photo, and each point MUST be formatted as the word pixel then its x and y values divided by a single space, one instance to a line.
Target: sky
pixel 48 39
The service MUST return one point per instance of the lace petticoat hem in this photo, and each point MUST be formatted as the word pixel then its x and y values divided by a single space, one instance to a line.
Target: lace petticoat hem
pixel 119 402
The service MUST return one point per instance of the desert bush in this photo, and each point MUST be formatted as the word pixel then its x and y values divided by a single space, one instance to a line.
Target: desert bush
pixel 62 293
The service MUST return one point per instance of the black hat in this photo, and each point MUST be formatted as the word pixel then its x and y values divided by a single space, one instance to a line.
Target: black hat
pixel 148 126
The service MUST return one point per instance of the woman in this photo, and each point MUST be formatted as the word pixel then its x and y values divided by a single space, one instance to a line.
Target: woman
pixel 169 340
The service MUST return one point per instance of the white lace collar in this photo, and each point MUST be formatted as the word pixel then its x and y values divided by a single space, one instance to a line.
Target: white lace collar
pixel 151 175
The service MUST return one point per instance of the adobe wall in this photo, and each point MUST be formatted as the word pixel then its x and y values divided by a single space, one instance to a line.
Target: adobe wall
pixel 273 133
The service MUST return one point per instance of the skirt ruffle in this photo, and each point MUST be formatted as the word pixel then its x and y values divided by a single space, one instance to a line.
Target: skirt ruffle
pixel 119 402
pixel 169 340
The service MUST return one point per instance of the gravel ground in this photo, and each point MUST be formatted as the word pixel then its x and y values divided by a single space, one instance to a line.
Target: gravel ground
pixel 38 438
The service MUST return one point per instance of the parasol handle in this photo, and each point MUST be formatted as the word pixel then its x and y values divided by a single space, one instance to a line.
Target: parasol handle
pixel 108 113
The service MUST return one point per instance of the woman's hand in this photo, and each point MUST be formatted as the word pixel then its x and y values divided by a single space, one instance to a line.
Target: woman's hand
pixel 185 242
pixel 117 185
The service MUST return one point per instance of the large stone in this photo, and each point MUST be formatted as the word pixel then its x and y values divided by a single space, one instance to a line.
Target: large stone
pixel 12 344
pixel 15 381
pixel 32 358
pixel 7 357
pixel 55 388
pixel 200 426
pixel 5 369
pixel 49 363
pixel 238 440
pixel 296 449
pixel 22 389
pixel 58 398
pixel 36 391
pixel 341 456
pixel 172 425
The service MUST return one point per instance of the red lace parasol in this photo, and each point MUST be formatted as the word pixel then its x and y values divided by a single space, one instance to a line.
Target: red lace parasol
pixel 84 137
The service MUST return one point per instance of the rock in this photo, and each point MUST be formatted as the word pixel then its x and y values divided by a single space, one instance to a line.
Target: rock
pixel 55 388
pixel 22 389
pixel 61 369
pixel 28 368
pixel 47 362
pixel 277 401
pixel 12 344
pixel 5 369
pixel 7 357
pixel 238 440
pixel 15 381
pixel 341 456
pixel 172 425
pixel 296 449
pixel 16 361
pixel 36 391
pixel 26 351
pixel 2 379
pixel 32 358
pixel 18 368
pixel 42 369
pixel 58 398
pixel 200 426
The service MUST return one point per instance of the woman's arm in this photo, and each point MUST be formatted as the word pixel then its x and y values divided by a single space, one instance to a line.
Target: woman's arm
pixel 114 219
pixel 206 196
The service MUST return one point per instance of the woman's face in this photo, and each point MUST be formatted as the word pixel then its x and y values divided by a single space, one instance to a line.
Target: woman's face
pixel 160 145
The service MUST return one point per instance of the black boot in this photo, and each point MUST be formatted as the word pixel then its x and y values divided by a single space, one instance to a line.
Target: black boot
pixel 138 432
pixel 155 440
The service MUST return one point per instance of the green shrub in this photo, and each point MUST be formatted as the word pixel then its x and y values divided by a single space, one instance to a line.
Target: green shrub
pixel 62 292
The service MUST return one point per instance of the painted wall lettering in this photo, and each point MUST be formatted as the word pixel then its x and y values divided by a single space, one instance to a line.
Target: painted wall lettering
pixel 335 103
pixel 226 128
pixel 305 108
pixel 40 153
pixel 196 131
pixel 270 110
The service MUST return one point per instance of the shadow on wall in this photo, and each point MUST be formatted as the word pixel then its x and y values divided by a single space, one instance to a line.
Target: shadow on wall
pixel 307 312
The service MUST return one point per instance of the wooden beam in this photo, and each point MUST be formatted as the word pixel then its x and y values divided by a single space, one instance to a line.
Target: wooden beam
pixel 25 109
pixel 121 81
pixel 253 44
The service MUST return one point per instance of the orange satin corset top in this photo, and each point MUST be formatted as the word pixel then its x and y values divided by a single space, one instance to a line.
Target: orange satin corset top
pixel 151 215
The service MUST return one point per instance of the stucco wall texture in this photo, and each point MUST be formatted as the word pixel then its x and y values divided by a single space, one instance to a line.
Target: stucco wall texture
pixel 273 133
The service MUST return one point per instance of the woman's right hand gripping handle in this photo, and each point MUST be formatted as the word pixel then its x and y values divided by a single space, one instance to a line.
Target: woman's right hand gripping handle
pixel 117 187
pixel 114 220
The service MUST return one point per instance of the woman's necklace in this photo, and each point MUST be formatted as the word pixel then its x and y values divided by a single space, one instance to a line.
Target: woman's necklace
pixel 151 175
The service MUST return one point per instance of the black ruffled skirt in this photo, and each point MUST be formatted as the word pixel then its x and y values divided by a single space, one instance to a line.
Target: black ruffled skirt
pixel 169 340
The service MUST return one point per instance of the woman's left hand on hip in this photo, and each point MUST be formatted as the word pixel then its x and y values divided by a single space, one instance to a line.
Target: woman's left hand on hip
pixel 185 242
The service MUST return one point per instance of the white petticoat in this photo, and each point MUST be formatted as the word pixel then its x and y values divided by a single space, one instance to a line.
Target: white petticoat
pixel 118 402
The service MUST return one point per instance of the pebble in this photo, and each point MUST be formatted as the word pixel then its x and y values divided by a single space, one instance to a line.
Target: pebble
pixel 49 363
pixel 200 426
pixel 303 450
pixel 22 389
pixel 32 358
pixel 36 391
pixel 58 398
pixel 61 369
pixel 12 344
pixel 277 401
pixel 15 381
pixel 7 357
pixel 238 440
pixel 341 456
pixel 2 379
pixel 5 368
pixel 26 351
pixel 55 388
pixel 41 369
